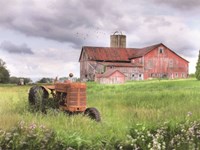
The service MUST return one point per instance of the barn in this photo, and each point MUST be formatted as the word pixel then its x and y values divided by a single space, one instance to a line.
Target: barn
pixel 111 76
pixel 155 61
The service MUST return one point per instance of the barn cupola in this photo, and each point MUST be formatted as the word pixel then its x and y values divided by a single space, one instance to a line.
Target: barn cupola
pixel 118 40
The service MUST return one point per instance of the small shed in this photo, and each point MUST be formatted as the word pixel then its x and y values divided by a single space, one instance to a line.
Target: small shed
pixel 111 76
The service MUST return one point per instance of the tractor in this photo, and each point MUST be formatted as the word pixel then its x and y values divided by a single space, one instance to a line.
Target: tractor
pixel 68 96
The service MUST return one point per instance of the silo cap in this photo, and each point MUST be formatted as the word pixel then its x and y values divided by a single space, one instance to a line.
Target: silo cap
pixel 117 33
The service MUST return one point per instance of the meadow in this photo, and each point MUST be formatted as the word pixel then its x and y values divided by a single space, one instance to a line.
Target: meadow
pixel 137 105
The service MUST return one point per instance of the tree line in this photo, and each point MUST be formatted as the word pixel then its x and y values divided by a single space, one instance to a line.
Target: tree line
pixel 5 75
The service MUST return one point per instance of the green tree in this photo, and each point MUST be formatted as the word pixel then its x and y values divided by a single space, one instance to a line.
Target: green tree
pixel 2 63
pixel 15 80
pixel 197 73
pixel 45 80
pixel 27 80
pixel 4 73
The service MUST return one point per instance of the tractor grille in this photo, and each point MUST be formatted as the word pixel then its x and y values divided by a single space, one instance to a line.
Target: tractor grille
pixel 76 97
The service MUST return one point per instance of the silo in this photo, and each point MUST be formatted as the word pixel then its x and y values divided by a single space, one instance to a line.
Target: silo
pixel 118 40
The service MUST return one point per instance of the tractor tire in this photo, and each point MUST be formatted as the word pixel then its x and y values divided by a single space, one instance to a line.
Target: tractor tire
pixel 93 113
pixel 37 98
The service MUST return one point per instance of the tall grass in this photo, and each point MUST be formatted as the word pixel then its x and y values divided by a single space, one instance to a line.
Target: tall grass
pixel 122 107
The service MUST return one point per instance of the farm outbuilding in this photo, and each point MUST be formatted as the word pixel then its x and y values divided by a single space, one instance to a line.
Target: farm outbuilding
pixel 156 61
pixel 111 76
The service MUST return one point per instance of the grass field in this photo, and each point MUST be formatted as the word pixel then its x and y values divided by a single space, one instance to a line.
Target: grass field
pixel 122 107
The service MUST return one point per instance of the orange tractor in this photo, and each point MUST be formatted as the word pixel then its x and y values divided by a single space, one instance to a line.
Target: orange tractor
pixel 68 96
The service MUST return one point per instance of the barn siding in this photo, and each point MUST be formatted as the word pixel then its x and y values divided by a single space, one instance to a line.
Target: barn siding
pixel 167 63
pixel 114 78
pixel 128 71
pixel 87 69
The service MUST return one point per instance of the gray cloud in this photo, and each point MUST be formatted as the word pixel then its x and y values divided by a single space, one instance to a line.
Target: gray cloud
pixel 73 23
pixel 61 20
pixel 79 22
pixel 17 49
pixel 187 5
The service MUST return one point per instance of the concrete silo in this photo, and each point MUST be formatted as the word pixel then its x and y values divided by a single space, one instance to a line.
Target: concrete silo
pixel 118 40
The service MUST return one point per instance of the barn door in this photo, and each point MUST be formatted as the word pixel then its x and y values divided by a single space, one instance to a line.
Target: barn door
pixel 140 76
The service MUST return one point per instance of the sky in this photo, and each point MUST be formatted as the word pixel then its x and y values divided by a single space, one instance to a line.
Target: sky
pixel 44 38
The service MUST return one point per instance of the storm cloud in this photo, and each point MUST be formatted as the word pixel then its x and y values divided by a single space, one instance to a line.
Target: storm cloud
pixel 71 24
pixel 70 21
pixel 17 49
pixel 75 22
pixel 188 5
pixel 60 21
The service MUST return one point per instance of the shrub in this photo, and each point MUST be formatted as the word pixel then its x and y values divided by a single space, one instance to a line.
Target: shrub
pixel 183 136
pixel 33 137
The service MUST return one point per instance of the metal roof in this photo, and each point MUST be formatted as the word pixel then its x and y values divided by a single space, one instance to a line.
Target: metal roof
pixel 115 54
pixel 106 53
pixel 111 54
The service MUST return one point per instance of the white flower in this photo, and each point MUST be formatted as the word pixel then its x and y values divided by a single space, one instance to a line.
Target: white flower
pixel 189 113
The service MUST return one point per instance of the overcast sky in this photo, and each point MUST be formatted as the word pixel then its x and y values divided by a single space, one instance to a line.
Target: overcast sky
pixel 43 38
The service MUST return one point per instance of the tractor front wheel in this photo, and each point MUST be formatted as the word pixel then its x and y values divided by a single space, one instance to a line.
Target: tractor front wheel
pixel 37 98
pixel 93 113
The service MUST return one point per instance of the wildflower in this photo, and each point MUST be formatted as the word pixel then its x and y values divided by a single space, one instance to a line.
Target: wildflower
pixel 21 124
pixel 189 113
pixel 33 126
pixel 149 145
pixel 42 126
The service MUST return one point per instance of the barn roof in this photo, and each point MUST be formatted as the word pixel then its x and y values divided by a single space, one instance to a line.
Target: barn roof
pixel 108 73
pixel 106 53
pixel 111 54
pixel 115 54
pixel 142 51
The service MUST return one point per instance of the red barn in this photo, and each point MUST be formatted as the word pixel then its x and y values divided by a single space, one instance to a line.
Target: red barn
pixel 156 61
pixel 111 76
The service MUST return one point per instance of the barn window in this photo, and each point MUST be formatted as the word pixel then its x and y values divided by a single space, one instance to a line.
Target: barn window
pixel 150 63
pixel 161 50
pixel 133 75
pixel 176 75
pixel 153 75
pixel 140 60
pixel 183 75
pixel 111 67
pixel 171 63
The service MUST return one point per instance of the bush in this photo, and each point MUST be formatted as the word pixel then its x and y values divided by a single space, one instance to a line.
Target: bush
pixel 197 73
pixel 33 137
pixel 4 73
pixel 182 136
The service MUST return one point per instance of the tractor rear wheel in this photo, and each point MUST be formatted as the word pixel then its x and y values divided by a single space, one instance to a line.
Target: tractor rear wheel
pixel 93 113
pixel 37 98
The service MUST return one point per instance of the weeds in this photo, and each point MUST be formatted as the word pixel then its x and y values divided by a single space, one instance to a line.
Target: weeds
pixel 33 137
pixel 135 106
pixel 183 136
